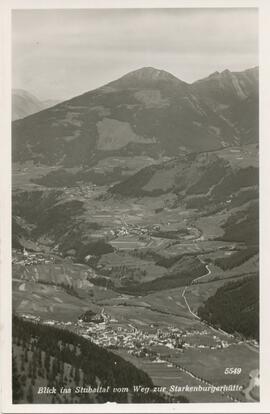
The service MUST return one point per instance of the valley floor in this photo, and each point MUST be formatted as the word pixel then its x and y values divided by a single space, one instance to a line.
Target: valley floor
pixel 157 329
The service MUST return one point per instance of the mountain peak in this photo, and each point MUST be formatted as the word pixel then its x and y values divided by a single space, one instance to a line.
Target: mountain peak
pixel 150 73
pixel 226 73
pixel 147 74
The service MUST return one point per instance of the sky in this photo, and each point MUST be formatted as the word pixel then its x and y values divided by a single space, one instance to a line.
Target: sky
pixel 58 54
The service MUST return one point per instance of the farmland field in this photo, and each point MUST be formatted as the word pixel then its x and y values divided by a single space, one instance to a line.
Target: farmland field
pixel 166 374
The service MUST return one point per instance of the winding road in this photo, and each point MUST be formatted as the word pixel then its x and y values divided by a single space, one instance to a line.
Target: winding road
pixel 188 306
pixel 193 281
pixel 219 330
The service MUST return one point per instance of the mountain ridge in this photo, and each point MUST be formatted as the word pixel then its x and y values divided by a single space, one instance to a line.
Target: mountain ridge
pixel 147 111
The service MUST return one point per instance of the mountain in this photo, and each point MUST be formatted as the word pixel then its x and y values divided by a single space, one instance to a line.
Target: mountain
pixel 147 112
pixel 24 104
pixel 234 96
pixel 222 89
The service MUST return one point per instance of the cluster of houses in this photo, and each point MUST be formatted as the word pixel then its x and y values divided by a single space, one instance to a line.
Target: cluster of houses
pixel 128 229
pixel 107 332
pixel 31 317
pixel 135 341
pixel 83 190
pixel 32 258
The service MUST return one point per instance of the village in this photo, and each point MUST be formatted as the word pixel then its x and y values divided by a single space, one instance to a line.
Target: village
pixel 107 332
pixel 140 342
pixel 28 258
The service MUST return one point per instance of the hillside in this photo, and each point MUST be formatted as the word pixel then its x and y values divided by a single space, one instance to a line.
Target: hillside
pixel 199 180
pixel 45 356
pixel 146 112
pixel 234 308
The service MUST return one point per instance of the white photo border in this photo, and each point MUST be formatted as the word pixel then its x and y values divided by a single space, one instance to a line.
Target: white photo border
pixel 5 204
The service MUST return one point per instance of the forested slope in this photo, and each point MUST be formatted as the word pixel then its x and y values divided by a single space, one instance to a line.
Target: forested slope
pixel 235 308
pixel 45 356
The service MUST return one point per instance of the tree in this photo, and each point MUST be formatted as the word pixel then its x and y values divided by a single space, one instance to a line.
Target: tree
pixel 54 368
pixel 29 395
pixel 30 369
pixel 16 386
pixel 47 363
pixel 39 357
pixel 23 379
pixel 77 376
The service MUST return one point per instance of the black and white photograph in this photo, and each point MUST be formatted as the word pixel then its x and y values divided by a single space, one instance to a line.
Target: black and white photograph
pixel 135 206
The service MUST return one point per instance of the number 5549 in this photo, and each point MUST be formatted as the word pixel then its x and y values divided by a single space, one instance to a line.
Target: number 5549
pixel 233 371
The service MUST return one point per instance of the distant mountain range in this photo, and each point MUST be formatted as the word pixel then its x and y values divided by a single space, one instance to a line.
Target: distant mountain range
pixel 24 104
pixel 146 112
